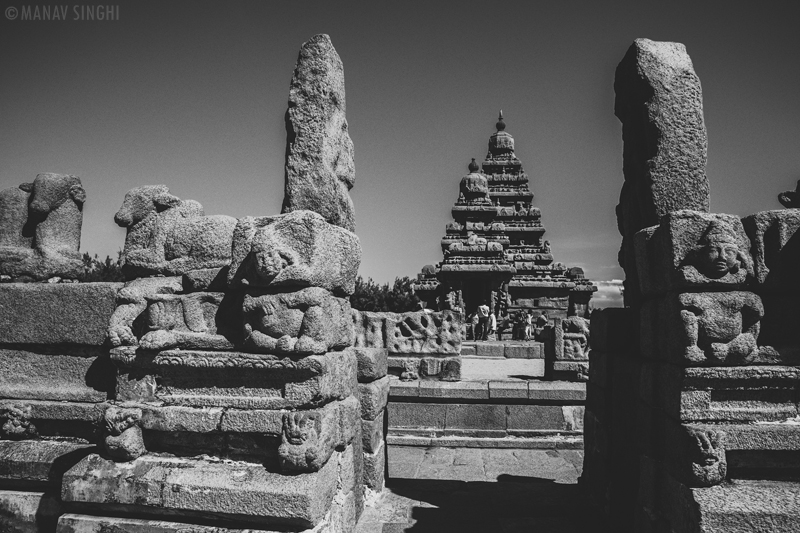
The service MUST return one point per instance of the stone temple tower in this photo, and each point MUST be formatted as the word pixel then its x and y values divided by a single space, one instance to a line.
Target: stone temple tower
pixel 494 249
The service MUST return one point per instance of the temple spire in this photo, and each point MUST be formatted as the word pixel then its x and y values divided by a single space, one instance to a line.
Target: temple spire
pixel 500 124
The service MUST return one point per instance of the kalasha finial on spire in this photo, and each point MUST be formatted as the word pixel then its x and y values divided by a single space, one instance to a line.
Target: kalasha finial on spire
pixel 500 124
pixel 473 167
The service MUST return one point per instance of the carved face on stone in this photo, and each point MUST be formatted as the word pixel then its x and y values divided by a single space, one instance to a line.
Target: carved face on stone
pixel 717 254
pixel 709 465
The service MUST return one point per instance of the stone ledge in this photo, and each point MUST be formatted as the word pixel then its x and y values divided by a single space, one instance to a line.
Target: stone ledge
pixel 22 512
pixel 31 462
pixel 187 487
pixel 60 313
pixel 530 443
pixel 744 505
pixel 77 523
pixel 558 391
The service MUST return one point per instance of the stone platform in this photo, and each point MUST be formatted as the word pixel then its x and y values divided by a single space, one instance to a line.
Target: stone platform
pixel 500 403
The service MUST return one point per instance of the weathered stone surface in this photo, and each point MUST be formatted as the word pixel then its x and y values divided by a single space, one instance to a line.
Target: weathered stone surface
pixel 574 332
pixel 776 249
pixel 659 102
pixel 297 249
pixel 42 375
pixel 77 523
pixel 691 249
pixel 372 434
pixel 790 199
pixel 374 468
pixel 192 488
pixel 319 152
pixel 38 463
pixel 309 437
pixel 70 313
pixel 416 332
pixel 195 321
pixel 28 512
pixel 176 418
pixel 701 328
pixel 309 321
pixel 747 506
pixel 170 236
pixel 131 301
pixel 416 367
pixel 247 381
pixel 373 397
pixel 123 437
pixel 53 215
pixel 16 241
pixel 373 363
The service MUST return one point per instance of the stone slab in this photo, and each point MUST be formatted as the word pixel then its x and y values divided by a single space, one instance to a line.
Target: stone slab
pixel 41 375
pixel 750 505
pixel 490 349
pixel 373 397
pixel 536 417
pixel 475 416
pixel 372 434
pixel 524 351
pixel 62 419
pixel 508 389
pixel 565 391
pixel 415 415
pixel 78 523
pixel 230 379
pixel 31 462
pixel 373 363
pixel 188 487
pixel 474 390
pixel 532 443
pixel 375 468
pixel 28 512
pixel 56 313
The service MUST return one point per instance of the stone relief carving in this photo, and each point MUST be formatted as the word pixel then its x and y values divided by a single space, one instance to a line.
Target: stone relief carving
pixel 123 436
pixel 309 321
pixel 15 423
pixel 709 465
pixel 300 448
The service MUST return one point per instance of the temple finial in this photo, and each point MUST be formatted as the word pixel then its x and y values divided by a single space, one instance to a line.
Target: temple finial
pixel 473 167
pixel 500 124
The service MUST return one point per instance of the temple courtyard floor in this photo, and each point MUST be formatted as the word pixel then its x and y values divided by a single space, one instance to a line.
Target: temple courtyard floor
pixel 478 489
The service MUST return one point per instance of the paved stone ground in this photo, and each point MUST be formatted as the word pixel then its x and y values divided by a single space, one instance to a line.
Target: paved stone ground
pixel 479 489
pixel 475 368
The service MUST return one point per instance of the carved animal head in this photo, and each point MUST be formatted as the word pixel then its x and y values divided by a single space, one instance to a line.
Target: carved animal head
pixel 49 191
pixel 119 419
pixel 709 465
pixel 140 202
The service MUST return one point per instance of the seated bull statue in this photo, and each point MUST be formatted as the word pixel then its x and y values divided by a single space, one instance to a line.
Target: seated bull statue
pixel 170 236
pixel 40 228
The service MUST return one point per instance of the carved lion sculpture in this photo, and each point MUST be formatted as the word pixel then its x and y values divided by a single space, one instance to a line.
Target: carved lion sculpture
pixel 170 236
pixel 123 440
pixel 709 466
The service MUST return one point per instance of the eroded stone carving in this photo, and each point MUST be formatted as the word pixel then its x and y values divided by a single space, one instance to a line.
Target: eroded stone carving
pixel 15 423
pixel 300 450
pixel 721 327
pixel 298 249
pixel 41 232
pixel 576 338
pixel 418 332
pixel 319 152
pixel 309 321
pixel 123 439
pixel 170 236
pixel 709 465
pixel 188 321
pixel 132 301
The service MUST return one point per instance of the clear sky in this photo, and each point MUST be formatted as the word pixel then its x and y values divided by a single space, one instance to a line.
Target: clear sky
pixel 193 95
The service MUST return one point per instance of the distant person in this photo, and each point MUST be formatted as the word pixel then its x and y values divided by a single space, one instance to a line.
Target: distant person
pixel 492 325
pixel 528 325
pixel 483 321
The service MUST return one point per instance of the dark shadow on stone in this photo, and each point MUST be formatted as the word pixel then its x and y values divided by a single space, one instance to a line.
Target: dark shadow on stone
pixel 101 375
pixel 523 376
pixel 513 503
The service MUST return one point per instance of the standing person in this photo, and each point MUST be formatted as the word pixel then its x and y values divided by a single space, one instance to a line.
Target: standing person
pixel 492 326
pixel 483 320
pixel 528 324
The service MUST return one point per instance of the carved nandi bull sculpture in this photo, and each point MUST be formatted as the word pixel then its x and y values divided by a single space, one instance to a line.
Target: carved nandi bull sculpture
pixel 41 228
pixel 170 236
